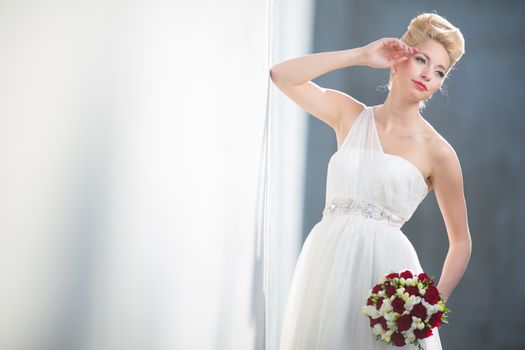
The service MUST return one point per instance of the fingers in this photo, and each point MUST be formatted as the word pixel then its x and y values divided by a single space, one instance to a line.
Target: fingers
pixel 398 45
pixel 400 59
pixel 397 59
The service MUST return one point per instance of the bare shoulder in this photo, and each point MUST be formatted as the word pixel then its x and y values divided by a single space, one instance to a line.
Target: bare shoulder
pixel 439 148
pixel 443 159
pixel 447 180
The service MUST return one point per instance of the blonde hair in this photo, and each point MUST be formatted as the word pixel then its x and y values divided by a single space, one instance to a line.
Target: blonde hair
pixel 433 26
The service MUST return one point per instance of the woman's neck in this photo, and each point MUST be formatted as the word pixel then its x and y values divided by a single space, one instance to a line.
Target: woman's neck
pixel 396 112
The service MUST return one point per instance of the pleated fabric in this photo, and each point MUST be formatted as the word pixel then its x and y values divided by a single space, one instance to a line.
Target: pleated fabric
pixel 344 256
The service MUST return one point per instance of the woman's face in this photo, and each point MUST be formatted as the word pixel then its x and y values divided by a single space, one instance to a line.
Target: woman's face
pixel 428 66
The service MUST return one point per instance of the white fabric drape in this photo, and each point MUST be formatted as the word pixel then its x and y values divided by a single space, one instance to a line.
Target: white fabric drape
pixel 131 145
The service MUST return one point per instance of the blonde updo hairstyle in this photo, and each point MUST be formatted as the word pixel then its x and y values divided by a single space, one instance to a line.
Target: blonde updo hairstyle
pixel 433 26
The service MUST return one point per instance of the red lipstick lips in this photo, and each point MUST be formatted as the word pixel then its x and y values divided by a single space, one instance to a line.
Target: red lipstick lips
pixel 420 85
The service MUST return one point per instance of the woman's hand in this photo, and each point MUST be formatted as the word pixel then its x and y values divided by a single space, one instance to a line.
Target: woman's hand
pixel 442 294
pixel 386 52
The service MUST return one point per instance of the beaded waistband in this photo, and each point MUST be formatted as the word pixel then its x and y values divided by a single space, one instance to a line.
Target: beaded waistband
pixel 361 207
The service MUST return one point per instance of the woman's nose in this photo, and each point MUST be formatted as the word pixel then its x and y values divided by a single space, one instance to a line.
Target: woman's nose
pixel 425 74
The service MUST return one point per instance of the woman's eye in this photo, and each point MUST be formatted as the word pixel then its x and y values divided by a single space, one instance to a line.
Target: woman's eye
pixel 421 59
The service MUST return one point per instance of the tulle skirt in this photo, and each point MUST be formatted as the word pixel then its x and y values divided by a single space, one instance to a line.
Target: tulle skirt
pixel 342 258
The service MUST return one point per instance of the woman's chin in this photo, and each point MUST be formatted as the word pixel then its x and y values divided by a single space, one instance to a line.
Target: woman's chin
pixel 417 96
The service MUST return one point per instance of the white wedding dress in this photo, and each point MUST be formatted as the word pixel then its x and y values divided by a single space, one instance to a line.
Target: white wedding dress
pixel 369 195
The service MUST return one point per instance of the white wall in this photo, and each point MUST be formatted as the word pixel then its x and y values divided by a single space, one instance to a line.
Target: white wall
pixel 132 157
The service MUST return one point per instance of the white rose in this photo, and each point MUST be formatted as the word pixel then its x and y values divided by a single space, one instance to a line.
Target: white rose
pixel 411 301
pixel 417 323
pixel 374 313
pixel 431 309
pixel 390 316
pixel 366 309
pixel 386 306
pixel 410 337
pixel 377 329
pixel 387 336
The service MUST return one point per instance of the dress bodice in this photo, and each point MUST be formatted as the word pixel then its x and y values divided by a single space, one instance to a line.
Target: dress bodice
pixel 361 170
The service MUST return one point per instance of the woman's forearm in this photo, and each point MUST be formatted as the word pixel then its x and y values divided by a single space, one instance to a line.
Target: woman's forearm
pixel 301 69
pixel 454 267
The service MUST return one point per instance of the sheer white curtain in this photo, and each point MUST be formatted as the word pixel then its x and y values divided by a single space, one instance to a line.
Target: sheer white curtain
pixel 291 36
pixel 133 175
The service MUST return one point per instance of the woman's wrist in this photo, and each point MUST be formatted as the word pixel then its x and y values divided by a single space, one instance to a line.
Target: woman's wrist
pixel 357 56
pixel 443 295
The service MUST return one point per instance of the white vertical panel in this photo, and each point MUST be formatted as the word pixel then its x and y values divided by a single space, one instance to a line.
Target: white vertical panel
pixel 291 36
pixel 131 136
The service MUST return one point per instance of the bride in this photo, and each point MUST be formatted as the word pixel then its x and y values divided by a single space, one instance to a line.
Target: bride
pixel 343 257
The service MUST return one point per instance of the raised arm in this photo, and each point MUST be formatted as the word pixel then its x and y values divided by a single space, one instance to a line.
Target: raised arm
pixel 293 77
pixel 448 186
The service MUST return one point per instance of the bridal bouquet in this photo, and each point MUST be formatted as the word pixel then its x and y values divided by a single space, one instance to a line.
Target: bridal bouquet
pixel 404 308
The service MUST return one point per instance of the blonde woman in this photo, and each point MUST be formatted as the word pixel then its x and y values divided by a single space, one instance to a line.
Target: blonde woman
pixel 388 158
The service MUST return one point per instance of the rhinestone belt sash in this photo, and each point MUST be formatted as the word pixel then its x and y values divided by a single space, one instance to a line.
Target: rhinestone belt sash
pixel 361 207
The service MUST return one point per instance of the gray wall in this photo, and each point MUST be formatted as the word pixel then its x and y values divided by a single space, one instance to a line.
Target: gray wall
pixel 481 117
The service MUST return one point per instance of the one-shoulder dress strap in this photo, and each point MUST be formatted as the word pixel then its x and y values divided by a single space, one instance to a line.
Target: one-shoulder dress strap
pixel 361 134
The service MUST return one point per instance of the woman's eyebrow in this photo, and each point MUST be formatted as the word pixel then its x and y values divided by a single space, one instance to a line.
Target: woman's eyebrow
pixel 428 58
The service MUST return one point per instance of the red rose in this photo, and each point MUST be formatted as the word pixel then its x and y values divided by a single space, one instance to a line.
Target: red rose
pixel 435 319
pixel 379 303
pixel 392 275
pixel 404 322
pixel 406 274
pixel 423 333
pixel 432 295
pixel 390 290
pixel 374 321
pixel 383 323
pixel 412 290
pixel 398 339
pixel 370 301
pixel 376 288
pixel 419 310
pixel 424 277
pixel 398 305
